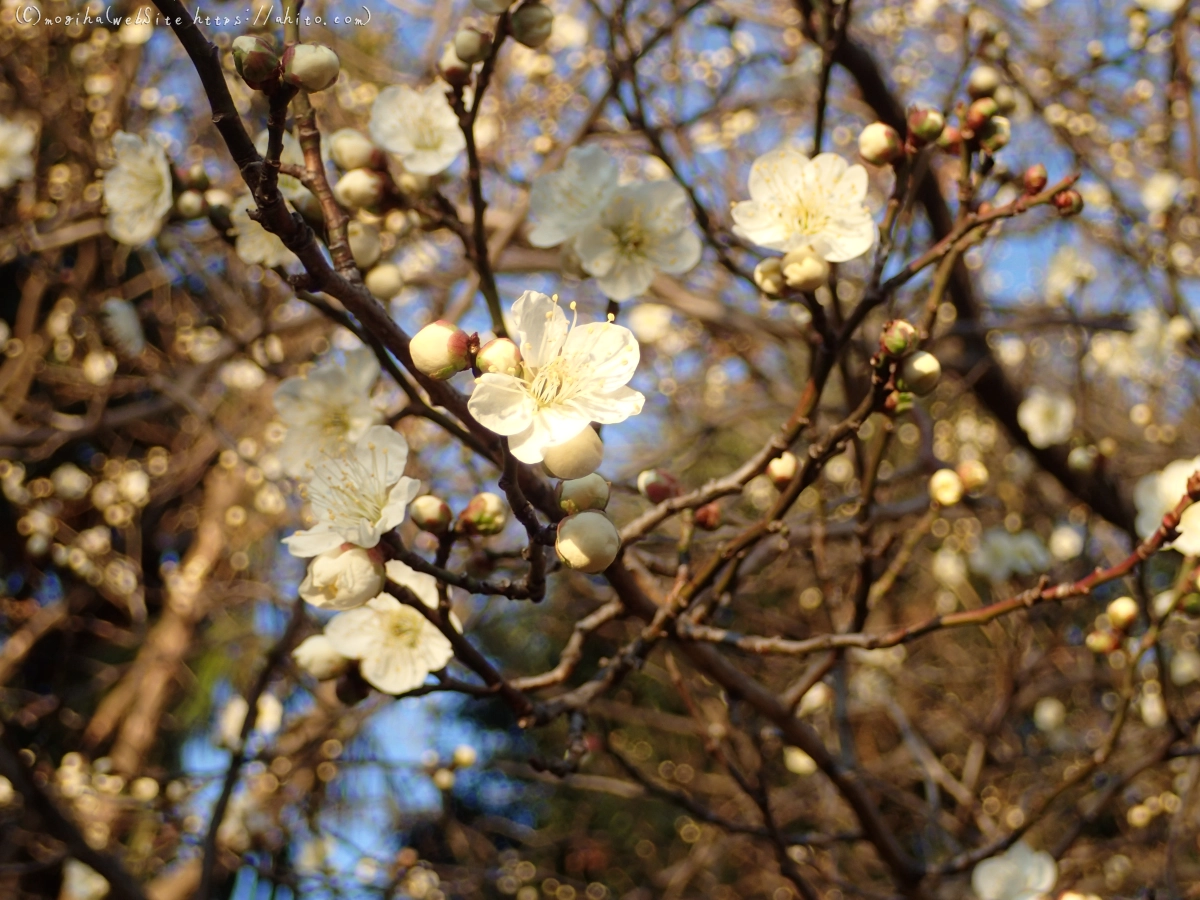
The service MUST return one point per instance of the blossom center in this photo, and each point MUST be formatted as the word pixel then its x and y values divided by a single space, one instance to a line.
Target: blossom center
pixel 555 382
pixel 810 220
pixel 425 135
pixel 403 626
pixel 350 490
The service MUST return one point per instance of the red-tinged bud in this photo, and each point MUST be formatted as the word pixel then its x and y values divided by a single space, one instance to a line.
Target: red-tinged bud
pixel 313 67
pixel 708 516
pixel 880 144
pixel 1035 179
pixel 899 338
pixel 782 469
pixel 1068 203
pixel 984 208
pixel 657 485
pixel 531 24
pixel 440 350
pixel 455 71
pixel 486 514
pixel 430 513
pixel 925 125
pixel 995 134
pixel 950 140
pixel 256 60
pixel 980 111
pixel 1102 642
pixel 973 473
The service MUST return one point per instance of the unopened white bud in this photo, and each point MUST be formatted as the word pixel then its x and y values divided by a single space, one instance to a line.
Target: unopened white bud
pixel 499 355
pixel 454 70
pixel 218 199
pixel 364 244
pixel 982 82
pixel 532 24
pixel 920 372
pixel 313 67
pixel 351 149
pixel 360 188
pixel 342 578
pixel 768 275
pixel 190 204
pixel 443 779
pixel 973 473
pixel 465 756
pixel 578 494
pixel 782 469
pixel 486 514
pixel 472 45
pixel 440 349
pixel 880 144
pixel 945 487
pixel 587 541
pixel 316 656
pixel 804 270
pixel 1122 612
pixel 384 281
pixel 579 456
pixel 430 513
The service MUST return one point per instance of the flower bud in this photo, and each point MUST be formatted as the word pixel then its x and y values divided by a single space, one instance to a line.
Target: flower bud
pixel 123 326
pixel 980 111
pixel 579 456
pixel 880 144
pixel 900 338
pixel 350 149
pixel 531 24
pixel 255 59
pixel 485 514
pixel 973 473
pixel 499 355
pixel 950 140
pixel 587 541
pixel 920 372
pixel 768 275
pixel 316 656
pixel 1068 203
pixel 452 69
pixel 492 7
pixel 443 780
pixel 360 188
pixel 342 578
pixel 782 469
pixel 440 349
pixel 218 201
pixel 430 513
pixel 313 67
pixel 1006 98
pixel 472 45
pixel 465 756
pixel 804 271
pixel 190 204
pixel 925 125
pixel 196 178
pixel 995 134
pixel 384 281
pixel 945 487
pixel 578 494
pixel 1035 179
pixel 708 516
pixel 657 485
pixel 982 82
pixel 1082 459
pixel 1122 613
pixel 364 244
pixel 1102 642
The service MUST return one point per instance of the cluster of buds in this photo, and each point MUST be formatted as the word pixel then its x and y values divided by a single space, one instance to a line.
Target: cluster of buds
pixel 310 67
pixel 1121 615
pixel 799 271
pixel 882 145
pixel 916 371
pixel 530 23
pixel 441 349
pixel 441 773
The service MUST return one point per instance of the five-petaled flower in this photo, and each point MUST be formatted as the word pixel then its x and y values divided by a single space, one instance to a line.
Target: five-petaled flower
pixel 137 190
pixel 419 127
pixel 359 495
pixel 570 376
pixel 1020 873
pixel 799 202
pixel 564 202
pixel 327 410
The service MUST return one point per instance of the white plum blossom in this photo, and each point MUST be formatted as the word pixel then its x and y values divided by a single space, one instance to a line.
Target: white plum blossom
pixel 564 202
pixel 1159 191
pixel 316 656
pixel 646 228
pixel 17 140
pixel 1066 542
pixel 137 190
pixel 1047 418
pixel 1144 354
pixel 256 246
pixel 799 202
pixel 419 127
pixel 1068 271
pixel 82 882
pixel 359 495
pixel 342 578
pixel 1001 556
pixel 571 376
pixel 1019 873
pixel 1157 493
pixel 396 645
pixel 326 410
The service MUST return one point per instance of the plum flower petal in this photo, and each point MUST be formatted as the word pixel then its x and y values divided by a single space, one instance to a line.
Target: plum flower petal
pixel 17 140
pixel 564 202
pixel 419 127
pixel 1018 874
pixel 137 190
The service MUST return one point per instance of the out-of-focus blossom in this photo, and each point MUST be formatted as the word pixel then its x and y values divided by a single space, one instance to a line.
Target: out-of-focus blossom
pixel 419 127
pixel 255 245
pixel 342 578
pixel 1019 873
pixel 1001 555
pixel 1068 270
pixel 1142 354
pixel 17 140
pixel 800 202
pixel 82 882
pixel 1066 542
pixel 1046 417
pixel 1160 191
pixel 137 190
pixel 564 202
pixel 1157 493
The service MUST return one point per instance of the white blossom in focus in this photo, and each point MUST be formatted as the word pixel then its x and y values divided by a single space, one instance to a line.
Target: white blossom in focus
pixel 1001 556
pixel 419 127
pixel 1157 493
pixel 327 410
pixel 571 376
pixel 799 202
pixel 82 882
pixel 342 578
pixel 137 190
pixel 645 229
pixel 564 202
pixel 359 495
pixel 396 645
pixel 1047 418
pixel 1019 873
pixel 256 246
pixel 17 140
